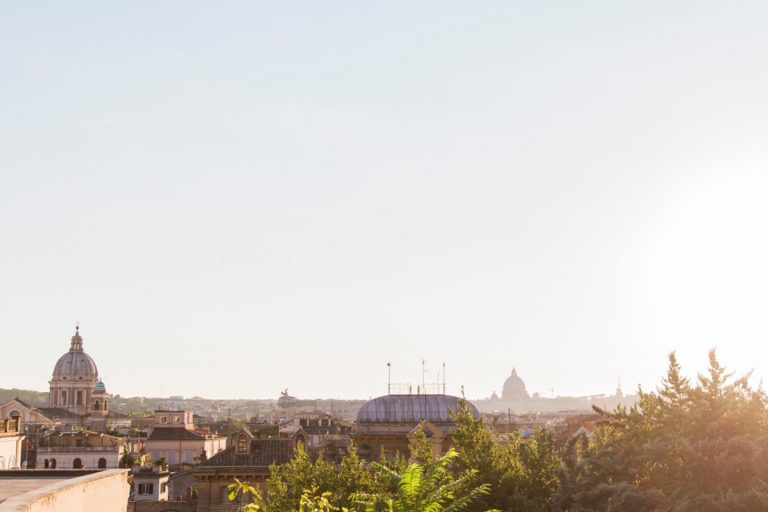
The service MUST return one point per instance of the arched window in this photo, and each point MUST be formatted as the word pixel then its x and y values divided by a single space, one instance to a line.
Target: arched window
pixel 53 463
pixel 77 463
pixel 46 464
pixel 102 463
pixel 15 414
pixel 96 406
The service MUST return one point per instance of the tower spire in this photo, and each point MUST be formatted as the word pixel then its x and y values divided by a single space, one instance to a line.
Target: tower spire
pixel 77 340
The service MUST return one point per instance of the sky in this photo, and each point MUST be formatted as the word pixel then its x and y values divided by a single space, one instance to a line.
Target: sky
pixel 235 198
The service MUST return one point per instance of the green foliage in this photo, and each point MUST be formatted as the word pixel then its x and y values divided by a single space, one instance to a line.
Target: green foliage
pixel 248 497
pixel 686 447
pixel 128 459
pixel 421 447
pixel 424 488
pixel 288 484
pixel 522 474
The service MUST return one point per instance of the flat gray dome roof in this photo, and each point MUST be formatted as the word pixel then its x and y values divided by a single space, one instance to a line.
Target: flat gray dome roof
pixel 411 409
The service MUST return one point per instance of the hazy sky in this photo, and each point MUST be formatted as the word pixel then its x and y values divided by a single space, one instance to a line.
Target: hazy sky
pixel 238 197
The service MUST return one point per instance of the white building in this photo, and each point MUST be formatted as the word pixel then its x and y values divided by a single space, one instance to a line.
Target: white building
pixel 10 444
pixel 149 483
pixel 175 437
pixel 79 450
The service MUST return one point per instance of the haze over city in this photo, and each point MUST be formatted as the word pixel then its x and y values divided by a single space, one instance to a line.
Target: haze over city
pixel 234 200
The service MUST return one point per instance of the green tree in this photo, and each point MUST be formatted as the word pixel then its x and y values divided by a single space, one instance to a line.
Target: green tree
pixel 247 496
pixel 522 474
pixel 301 477
pixel 424 488
pixel 686 447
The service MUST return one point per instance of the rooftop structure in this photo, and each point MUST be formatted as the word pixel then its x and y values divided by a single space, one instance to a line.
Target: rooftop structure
pixel 411 409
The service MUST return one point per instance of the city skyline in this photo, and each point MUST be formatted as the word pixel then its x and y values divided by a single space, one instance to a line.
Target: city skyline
pixel 232 200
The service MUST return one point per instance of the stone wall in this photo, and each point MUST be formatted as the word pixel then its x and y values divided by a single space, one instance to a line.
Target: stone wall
pixel 103 491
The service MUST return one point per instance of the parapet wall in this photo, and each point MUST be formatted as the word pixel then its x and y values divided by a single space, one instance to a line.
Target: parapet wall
pixel 103 491
pixel 161 506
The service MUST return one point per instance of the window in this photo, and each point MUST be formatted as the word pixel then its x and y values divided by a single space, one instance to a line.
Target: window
pixel 96 406
pixel 53 463
pixel 177 419
pixel 78 443
pixel 63 397
pixel 102 463
pixel 163 419
pixel 164 487
pixel 146 489
pixel 79 398
pixel 77 463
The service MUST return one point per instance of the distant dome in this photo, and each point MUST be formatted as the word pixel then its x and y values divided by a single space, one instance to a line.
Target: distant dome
pixel 100 386
pixel 411 409
pixel 514 388
pixel 75 364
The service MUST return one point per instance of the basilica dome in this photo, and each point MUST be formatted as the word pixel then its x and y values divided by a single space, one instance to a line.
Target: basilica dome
pixel 514 388
pixel 75 364
pixel 411 409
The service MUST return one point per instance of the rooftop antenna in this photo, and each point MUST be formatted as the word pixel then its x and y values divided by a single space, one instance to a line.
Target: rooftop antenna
pixel 443 377
pixel 423 373
pixel 389 378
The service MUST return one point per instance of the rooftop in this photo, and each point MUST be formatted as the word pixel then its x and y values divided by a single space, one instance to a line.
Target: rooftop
pixel 411 409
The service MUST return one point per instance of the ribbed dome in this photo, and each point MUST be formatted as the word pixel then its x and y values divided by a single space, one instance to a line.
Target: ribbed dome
pixel 411 409
pixel 514 388
pixel 75 363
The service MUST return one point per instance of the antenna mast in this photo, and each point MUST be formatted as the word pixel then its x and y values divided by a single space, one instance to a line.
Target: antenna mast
pixel 423 374
pixel 443 377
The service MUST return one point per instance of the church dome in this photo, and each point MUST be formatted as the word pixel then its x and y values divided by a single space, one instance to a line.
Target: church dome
pixel 411 409
pixel 514 388
pixel 75 364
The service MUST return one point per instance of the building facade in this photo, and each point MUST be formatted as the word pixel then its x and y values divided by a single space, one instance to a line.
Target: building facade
pixel 175 438
pixel 386 425
pixel 11 441
pixel 78 450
